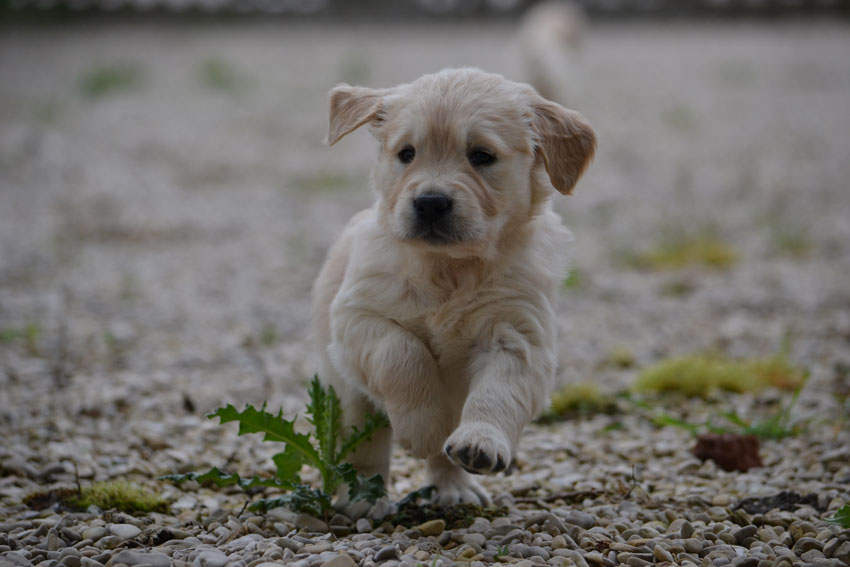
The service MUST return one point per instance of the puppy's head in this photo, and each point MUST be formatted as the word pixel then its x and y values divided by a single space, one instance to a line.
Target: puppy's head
pixel 464 155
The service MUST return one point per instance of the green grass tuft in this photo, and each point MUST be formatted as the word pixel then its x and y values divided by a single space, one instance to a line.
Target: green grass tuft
pixel 792 240
pixel 777 424
pixel 111 79
pixel 700 375
pixel 683 252
pixel 222 76
pixel 30 333
pixel 28 336
pixel 575 279
pixel 326 181
pixel 681 118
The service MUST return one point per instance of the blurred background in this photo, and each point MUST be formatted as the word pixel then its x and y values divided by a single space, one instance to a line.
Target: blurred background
pixel 166 199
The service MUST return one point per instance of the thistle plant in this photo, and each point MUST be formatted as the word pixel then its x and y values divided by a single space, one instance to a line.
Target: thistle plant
pixel 324 448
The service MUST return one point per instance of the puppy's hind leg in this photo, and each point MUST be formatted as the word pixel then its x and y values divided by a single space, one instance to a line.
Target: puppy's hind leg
pixel 371 457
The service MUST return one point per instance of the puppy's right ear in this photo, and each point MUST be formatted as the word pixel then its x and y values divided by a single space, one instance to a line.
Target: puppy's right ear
pixel 565 141
pixel 351 108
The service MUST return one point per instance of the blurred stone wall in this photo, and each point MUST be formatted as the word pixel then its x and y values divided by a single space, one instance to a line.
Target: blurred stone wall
pixel 401 9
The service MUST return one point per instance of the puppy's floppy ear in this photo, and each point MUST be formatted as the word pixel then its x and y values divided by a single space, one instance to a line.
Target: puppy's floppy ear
pixel 351 108
pixel 565 142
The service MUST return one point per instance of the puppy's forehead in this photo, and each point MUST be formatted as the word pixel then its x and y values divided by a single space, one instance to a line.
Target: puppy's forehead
pixel 466 107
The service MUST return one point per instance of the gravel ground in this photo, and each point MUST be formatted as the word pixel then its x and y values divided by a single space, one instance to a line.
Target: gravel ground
pixel 166 201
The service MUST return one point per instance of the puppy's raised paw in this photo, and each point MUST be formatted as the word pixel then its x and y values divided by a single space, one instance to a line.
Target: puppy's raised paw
pixel 478 448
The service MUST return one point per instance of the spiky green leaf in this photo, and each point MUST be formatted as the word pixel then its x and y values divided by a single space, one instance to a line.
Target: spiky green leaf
pixel 841 517
pixel 360 487
pixel 288 463
pixel 220 479
pixel 413 498
pixel 274 428
pixel 326 416
pixel 367 488
pixel 302 499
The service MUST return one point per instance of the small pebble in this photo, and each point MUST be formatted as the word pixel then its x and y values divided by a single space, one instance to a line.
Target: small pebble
pixel 132 557
pixel 124 531
pixel 388 552
pixel 211 558
pixel 363 525
pixel 95 533
pixel 432 527
pixel 318 547
pixel 53 540
pixel 805 544
pixel 662 554
pixel 340 560
pixel 580 519
pixel 745 532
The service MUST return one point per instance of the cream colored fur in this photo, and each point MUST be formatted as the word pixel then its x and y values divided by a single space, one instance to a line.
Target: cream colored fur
pixel 454 340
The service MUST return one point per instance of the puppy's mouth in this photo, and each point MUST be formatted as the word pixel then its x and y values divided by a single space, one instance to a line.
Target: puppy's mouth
pixel 433 220
pixel 434 236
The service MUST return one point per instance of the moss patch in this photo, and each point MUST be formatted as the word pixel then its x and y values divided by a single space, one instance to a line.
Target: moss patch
pixel 620 357
pixel 120 495
pixel 579 399
pixel 700 375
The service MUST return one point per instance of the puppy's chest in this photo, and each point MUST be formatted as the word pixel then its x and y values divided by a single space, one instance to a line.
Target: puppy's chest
pixel 440 315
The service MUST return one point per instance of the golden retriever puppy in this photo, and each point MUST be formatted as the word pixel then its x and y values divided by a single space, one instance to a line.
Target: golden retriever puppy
pixel 436 305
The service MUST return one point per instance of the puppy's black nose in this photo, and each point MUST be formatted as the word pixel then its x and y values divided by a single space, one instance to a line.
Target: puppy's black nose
pixel 431 206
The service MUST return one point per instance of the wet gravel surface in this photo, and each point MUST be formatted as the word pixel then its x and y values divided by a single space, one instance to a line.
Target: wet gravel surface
pixel 166 202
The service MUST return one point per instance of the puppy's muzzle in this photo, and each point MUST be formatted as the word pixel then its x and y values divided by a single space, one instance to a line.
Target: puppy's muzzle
pixel 431 207
pixel 433 219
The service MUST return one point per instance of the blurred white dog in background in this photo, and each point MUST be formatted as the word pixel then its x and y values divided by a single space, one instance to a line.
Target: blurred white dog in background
pixel 549 45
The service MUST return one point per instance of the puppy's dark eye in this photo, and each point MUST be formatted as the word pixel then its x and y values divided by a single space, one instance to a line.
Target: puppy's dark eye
pixel 406 155
pixel 481 158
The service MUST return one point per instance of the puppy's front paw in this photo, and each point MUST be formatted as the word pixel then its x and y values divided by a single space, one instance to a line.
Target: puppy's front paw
pixel 460 489
pixel 454 485
pixel 479 448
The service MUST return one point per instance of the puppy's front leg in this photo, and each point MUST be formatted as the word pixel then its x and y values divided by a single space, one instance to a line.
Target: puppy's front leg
pixel 399 372
pixel 511 378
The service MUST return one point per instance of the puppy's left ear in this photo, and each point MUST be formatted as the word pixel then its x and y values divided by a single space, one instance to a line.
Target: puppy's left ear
pixel 351 108
pixel 565 142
